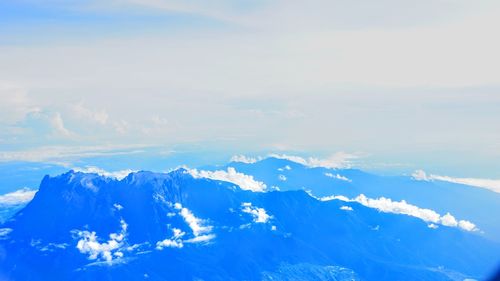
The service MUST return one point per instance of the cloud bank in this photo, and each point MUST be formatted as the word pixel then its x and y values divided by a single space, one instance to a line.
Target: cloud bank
pixel 490 184
pixel 96 170
pixel 245 182
pixel 386 205
pixel 18 197
pixel 338 160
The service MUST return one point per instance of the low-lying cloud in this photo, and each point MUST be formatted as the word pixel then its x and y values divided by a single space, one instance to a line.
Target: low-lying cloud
pixel 259 214
pixel 18 197
pixel 96 170
pixel 490 184
pixel 245 182
pixel 338 160
pixel 386 205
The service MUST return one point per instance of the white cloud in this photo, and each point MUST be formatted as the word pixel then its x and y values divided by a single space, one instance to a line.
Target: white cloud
pixel 259 214
pixel 467 225
pixel 493 185
pixel 449 220
pixel 386 205
pixel 196 224
pixel 4 232
pixel 107 251
pixel 346 208
pixel 337 176
pixel 282 177
pixel 95 170
pixel 338 160
pixel 200 239
pixel 174 242
pixel 245 182
pixel 287 168
pixel 244 159
pixel 21 196
pixel 169 243
pixel 201 231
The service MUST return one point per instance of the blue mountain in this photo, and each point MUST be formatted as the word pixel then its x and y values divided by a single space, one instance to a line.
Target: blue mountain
pixel 173 226
pixel 475 204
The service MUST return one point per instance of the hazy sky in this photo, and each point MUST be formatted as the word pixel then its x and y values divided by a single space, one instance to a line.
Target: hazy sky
pixel 401 83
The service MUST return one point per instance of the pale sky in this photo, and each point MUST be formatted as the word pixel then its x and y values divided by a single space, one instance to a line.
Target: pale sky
pixel 411 84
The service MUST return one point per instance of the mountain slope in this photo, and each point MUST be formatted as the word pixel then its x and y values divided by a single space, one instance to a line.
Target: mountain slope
pixel 175 227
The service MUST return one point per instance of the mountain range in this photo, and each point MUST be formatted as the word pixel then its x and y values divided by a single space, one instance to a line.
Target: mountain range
pixel 273 219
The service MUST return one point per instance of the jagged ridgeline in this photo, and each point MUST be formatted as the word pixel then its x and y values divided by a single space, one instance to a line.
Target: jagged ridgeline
pixel 183 226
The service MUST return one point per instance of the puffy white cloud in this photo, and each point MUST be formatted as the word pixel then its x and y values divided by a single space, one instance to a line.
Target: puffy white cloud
pixel 244 159
pixel 493 185
pixel 338 160
pixel 245 182
pixel 467 225
pixel 386 205
pixel 433 226
pixel 89 244
pixel 282 177
pixel 96 170
pixel 449 220
pixel 346 208
pixel 21 196
pixel 259 214
pixel 337 176
pixel 173 242
pixel 169 243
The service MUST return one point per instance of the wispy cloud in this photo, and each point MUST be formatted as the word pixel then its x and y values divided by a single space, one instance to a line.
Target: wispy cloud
pixel 490 184
pixel 61 153
pixel 338 160
pixel 58 125
pixel 97 116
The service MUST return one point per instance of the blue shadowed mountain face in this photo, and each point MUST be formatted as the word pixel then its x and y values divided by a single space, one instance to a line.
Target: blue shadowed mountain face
pixel 176 226
pixel 475 204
